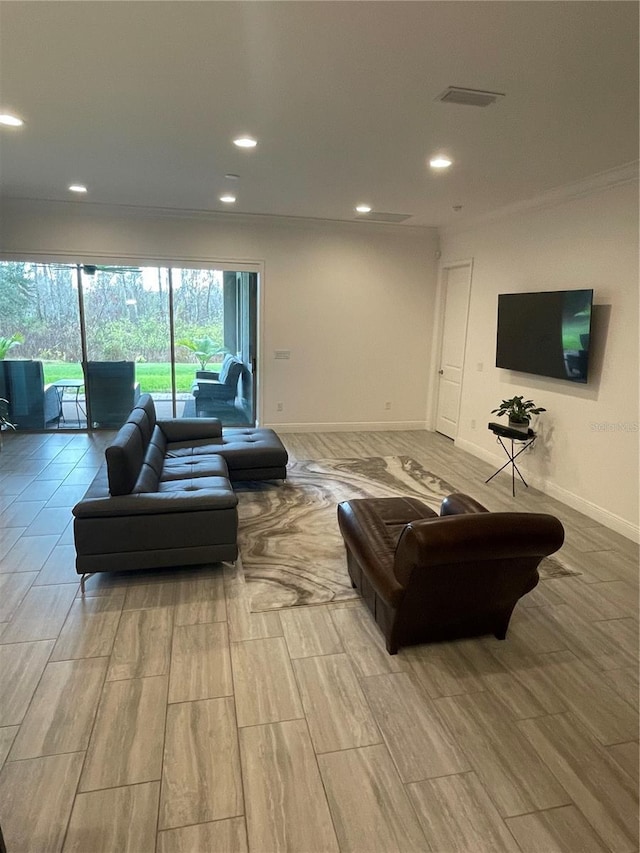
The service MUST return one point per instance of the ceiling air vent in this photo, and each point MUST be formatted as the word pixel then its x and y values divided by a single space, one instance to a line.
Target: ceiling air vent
pixel 468 97
pixel 376 216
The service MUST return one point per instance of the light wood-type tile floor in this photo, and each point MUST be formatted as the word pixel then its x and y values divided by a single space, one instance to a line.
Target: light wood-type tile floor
pixel 159 715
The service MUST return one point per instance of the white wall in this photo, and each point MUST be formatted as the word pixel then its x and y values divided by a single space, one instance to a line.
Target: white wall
pixel 588 451
pixel 352 301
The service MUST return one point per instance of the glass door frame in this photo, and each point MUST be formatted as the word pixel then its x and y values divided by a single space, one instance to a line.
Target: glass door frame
pixel 75 262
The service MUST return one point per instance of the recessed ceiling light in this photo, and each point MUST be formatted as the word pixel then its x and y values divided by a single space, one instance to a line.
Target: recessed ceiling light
pixel 245 142
pixel 227 199
pixel 363 208
pixel 440 162
pixel 10 121
pixel 78 188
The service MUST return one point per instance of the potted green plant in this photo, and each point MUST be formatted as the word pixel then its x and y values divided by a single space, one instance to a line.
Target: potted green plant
pixel 7 344
pixel 5 423
pixel 204 349
pixel 519 411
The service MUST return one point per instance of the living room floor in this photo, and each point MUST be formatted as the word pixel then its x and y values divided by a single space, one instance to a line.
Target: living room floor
pixel 159 714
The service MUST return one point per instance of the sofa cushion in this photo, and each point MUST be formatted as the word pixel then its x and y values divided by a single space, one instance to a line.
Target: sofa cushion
pixel 242 449
pixel 154 457
pixel 124 459
pixel 198 447
pixel 145 401
pixel 219 485
pixel 147 481
pixel 194 466
pixel 188 430
pixel 140 417
pixel 158 439
pixel 247 449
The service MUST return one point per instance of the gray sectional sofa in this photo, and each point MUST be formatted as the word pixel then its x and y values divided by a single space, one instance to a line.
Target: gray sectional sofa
pixel 164 496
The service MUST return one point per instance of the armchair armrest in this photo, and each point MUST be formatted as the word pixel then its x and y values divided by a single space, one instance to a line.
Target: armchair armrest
pixel 475 537
pixel 188 429
pixel 457 504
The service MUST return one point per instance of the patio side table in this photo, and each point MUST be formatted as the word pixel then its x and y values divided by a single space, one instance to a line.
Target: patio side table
pixel 72 385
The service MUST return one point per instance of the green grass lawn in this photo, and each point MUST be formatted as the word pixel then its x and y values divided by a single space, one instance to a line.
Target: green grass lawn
pixel 153 377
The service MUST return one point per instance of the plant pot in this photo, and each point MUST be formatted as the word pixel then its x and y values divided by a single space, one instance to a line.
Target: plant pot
pixel 521 427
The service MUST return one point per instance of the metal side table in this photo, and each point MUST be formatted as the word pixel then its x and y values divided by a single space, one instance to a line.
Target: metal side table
pixel 73 385
pixel 515 436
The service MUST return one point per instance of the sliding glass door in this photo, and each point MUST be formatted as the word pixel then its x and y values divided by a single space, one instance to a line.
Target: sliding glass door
pixel 240 321
pixel 103 334
pixel 41 346
pixel 127 333
pixel 215 343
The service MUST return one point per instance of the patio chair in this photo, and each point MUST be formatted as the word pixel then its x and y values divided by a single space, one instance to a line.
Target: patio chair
pixel 32 405
pixel 211 390
pixel 112 391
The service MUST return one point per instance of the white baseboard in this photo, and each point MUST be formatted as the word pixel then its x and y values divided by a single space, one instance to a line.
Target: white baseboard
pixel 588 508
pixel 365 426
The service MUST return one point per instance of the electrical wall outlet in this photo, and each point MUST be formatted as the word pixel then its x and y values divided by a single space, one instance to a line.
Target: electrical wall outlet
pixel 387 406
pixel 279 406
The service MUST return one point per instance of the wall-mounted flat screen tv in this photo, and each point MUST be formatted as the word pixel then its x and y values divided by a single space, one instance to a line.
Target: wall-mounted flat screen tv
pixel 545 333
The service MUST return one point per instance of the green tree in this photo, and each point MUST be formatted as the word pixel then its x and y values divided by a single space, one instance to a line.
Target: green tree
pixel 16 292
pixel 7 344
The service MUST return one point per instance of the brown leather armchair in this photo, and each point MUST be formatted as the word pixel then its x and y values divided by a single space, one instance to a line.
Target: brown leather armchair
pixel 427 577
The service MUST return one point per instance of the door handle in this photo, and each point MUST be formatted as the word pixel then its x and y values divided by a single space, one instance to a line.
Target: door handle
pixel 441 371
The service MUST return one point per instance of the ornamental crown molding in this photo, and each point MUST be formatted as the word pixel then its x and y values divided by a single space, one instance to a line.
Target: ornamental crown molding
pixel 600 182
pixel 97 210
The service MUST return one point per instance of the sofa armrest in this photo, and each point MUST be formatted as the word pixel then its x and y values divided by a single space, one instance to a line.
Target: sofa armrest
pixel 189 429
pixel 458 504
pixel 155 503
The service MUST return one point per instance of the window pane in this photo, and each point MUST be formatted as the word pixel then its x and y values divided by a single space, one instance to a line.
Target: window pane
pixel 127 330
pixel 41 346
pixel 213 365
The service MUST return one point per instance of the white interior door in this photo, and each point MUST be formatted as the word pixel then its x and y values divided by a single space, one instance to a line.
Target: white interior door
pixel 456 281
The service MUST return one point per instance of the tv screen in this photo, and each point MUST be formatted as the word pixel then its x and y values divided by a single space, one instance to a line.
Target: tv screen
pixel 545 333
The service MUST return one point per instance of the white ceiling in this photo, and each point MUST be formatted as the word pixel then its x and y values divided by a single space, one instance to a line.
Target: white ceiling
pixel 140 101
